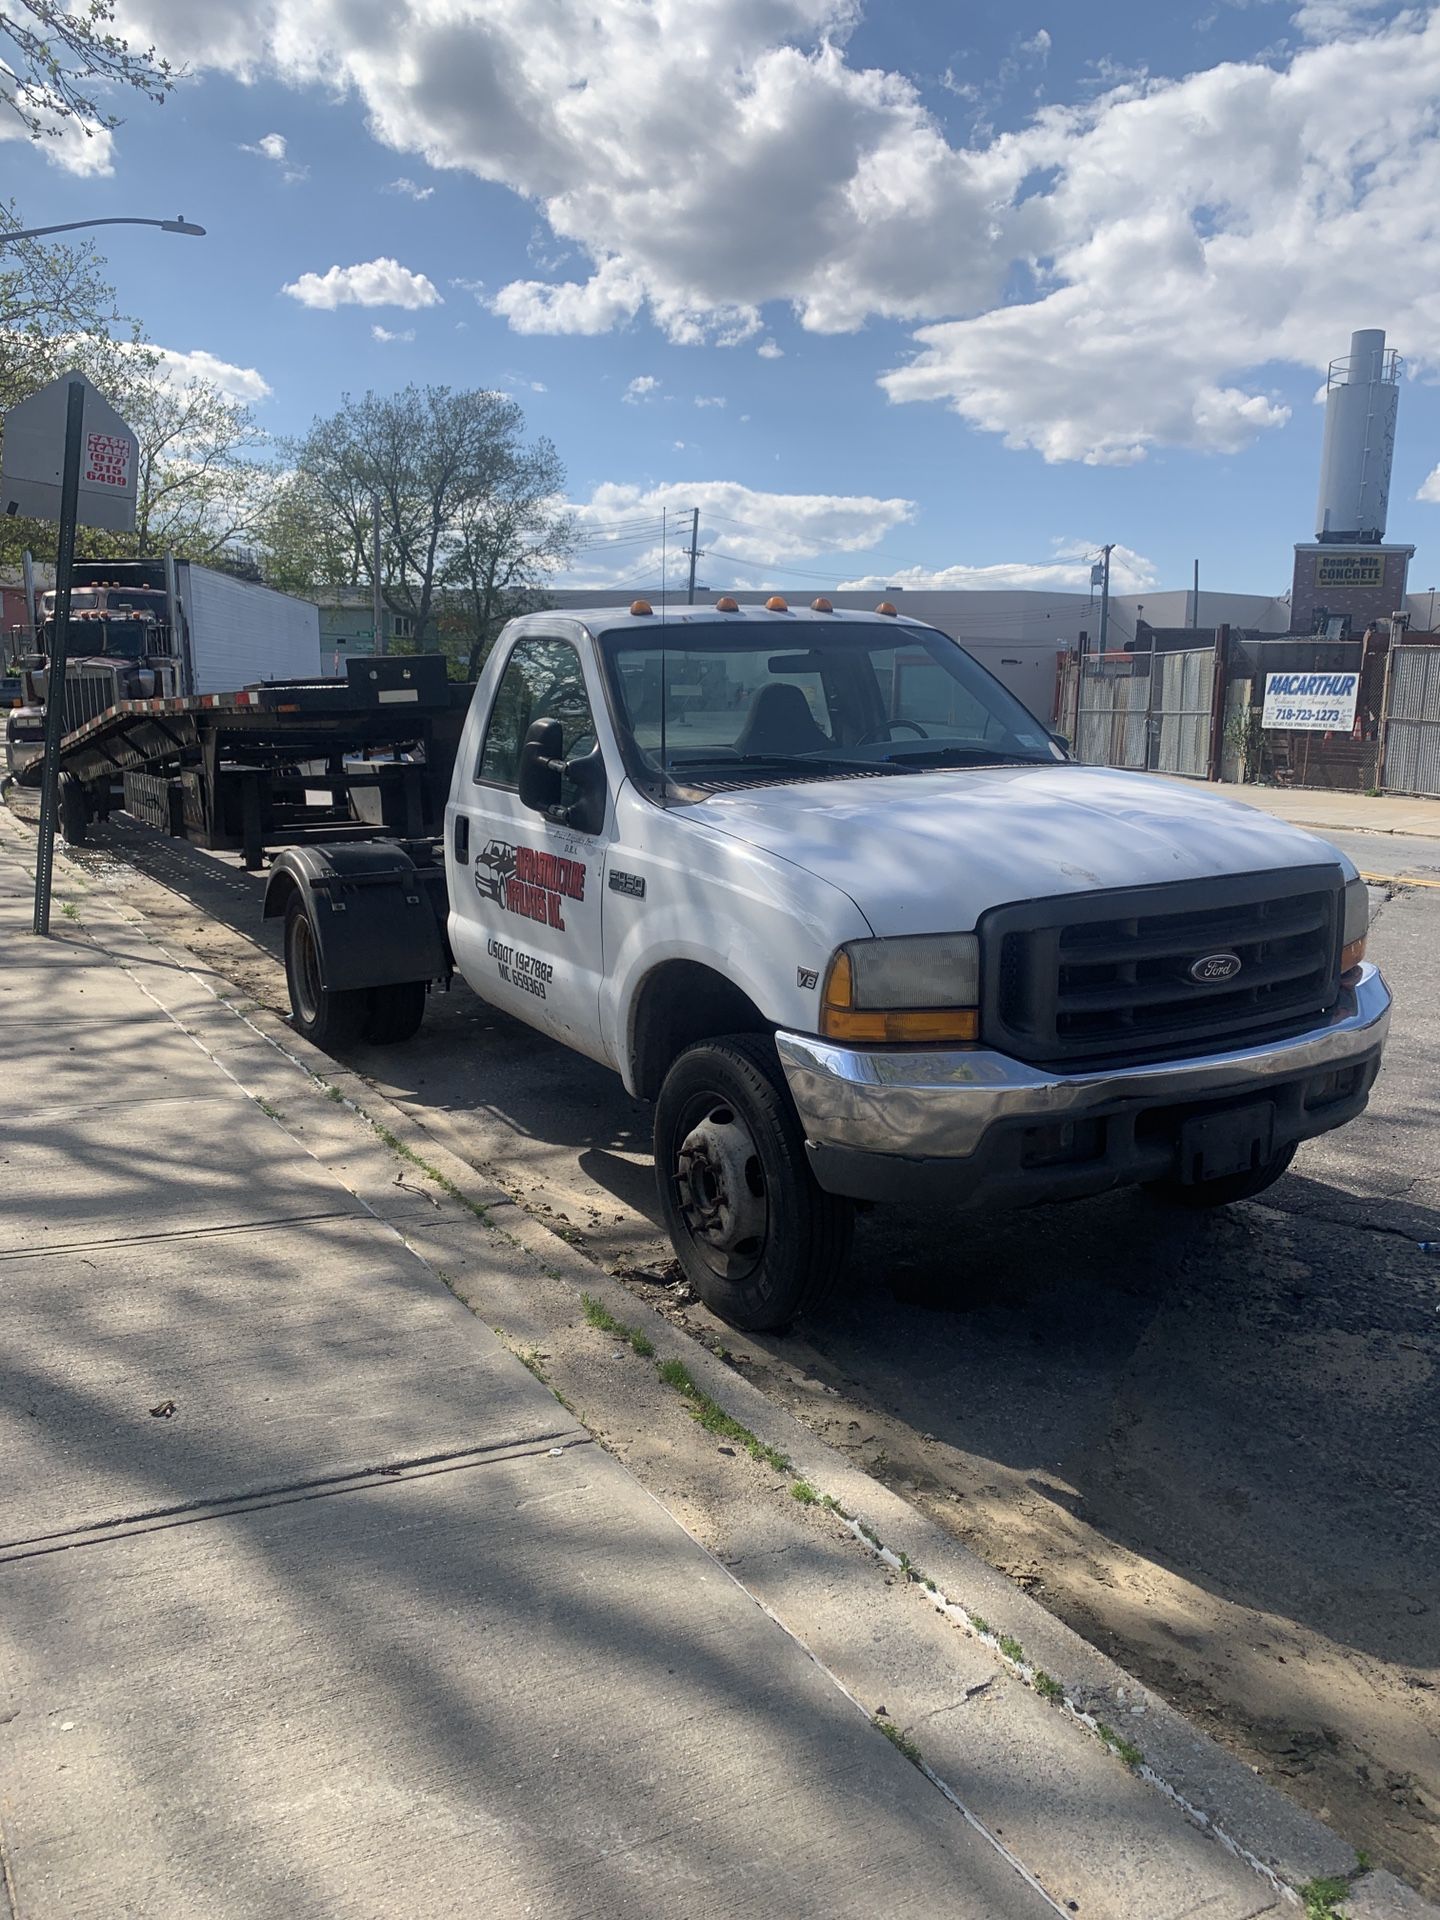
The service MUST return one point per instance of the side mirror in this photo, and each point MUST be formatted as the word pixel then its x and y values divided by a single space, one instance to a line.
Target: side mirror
pixel 543 776
pixel 541 767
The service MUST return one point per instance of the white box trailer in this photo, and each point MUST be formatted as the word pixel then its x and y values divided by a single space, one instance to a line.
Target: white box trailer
pixel 235 632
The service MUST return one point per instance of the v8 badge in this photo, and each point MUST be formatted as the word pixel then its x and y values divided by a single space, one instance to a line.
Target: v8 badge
pixel 806 977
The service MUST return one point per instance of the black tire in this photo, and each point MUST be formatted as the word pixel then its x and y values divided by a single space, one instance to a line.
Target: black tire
pixel 331 1020
pixel 74 812
pixel 1201 1194
pixel 759 1240
pixel 395 1013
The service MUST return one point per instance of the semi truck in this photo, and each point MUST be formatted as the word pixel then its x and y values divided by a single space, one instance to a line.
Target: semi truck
pixel 163 627
pixel 819 887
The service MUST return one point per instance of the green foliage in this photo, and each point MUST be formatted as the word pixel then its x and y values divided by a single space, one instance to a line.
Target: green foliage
pixel 599 1315
pixel 1122 1748
pixel 1322 1898
pixel 1011 1648
pixel 898 1739
pixel 714 1419
pixel 58 59
pixel 1047 1686
pixel 802 1491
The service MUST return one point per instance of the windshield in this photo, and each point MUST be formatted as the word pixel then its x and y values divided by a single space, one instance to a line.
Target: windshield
pixel 739 703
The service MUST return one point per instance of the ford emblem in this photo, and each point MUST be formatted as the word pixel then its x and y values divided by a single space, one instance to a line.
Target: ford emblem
pixel 1215 966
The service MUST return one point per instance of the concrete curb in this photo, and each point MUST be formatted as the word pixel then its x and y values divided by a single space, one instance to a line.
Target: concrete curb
pixel 1286 1847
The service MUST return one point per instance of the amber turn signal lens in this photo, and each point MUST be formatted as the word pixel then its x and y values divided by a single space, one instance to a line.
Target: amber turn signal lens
pixel 641 606
pixel 902 1026
pixel 1351 956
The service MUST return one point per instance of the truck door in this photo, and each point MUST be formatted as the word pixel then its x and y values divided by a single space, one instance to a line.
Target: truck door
pixel 525 905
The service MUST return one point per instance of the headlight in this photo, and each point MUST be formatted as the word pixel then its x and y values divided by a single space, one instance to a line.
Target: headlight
pixel 1356 924
pixel 922 987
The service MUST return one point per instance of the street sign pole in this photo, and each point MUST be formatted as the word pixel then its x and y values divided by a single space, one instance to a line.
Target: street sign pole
pixel 59 641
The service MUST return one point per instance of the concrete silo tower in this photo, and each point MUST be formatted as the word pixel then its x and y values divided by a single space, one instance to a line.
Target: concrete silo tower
pixel 1348 576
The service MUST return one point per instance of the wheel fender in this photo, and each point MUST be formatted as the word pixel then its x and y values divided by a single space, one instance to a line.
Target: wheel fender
pixel 374 912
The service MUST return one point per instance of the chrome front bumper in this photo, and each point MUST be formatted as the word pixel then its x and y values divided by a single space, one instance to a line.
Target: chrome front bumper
pixel 941 1106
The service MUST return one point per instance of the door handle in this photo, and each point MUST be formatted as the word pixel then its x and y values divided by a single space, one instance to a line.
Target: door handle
pixel 462 839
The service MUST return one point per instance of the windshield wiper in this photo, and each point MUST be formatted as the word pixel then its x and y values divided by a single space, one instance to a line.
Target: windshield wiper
pixel 972 757
pixel 820 765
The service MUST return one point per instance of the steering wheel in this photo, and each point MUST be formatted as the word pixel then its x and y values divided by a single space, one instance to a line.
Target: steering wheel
pixel 872 734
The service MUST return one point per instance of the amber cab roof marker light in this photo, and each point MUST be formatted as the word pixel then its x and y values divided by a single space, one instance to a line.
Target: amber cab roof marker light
pixel 641 606
pixel 886 606
pixel 727 604
pixel 821 605
pixel 777 603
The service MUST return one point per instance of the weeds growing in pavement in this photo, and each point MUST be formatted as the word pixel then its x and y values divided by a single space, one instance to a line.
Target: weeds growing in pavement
pixel 714 1419
pixel 599 1315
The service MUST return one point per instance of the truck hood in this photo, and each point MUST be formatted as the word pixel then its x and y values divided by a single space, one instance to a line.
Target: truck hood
pixel 931 852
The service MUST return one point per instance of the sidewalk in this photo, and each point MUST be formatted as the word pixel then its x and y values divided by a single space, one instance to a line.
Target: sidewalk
pixel 1328 810
pixel 314 1602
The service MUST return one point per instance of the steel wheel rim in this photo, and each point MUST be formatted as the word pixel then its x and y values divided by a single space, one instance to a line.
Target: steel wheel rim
pixel 718 1182
pixel 307 972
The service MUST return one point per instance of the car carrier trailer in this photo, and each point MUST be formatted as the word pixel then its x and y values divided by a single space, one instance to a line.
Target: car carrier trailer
pixel 278 763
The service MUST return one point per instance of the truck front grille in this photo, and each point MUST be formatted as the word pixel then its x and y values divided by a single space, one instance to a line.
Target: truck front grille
pixel 1105 976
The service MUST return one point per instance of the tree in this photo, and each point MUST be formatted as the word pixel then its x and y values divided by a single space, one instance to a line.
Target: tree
pixel 460 499
pixel 303 543
pixel 506 542
pixel 55 59
pixel 196 491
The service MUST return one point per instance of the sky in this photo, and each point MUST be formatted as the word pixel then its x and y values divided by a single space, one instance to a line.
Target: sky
pixel 900 293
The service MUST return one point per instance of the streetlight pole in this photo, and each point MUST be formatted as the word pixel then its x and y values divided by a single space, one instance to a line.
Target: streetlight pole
pixel 180 225
pixel 1105 597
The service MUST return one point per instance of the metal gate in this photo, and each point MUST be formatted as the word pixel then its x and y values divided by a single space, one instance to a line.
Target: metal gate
pixel 1182 712
pixel 1412 722
pixel 1112 713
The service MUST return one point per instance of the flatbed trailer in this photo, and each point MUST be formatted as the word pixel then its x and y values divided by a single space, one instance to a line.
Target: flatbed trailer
pixel 282 763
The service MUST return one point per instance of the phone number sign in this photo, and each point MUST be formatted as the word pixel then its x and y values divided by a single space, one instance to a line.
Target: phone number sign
pixel 1310 702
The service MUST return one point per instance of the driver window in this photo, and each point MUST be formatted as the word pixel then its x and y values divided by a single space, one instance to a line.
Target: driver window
pixel 542 681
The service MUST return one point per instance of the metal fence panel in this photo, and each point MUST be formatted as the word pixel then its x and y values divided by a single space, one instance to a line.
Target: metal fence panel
pixel 1114 715
pixel 1184 712
pixel 1412 722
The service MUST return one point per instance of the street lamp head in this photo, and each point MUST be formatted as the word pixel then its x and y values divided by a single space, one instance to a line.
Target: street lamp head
pixel 182 225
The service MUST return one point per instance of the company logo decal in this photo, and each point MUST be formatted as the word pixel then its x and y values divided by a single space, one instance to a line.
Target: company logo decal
pixel 1215 966
pixel 529 883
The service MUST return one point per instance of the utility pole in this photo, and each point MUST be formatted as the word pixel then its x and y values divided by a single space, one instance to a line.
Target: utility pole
pixel 376 595
pixel 694 552
pixel 1195 598
pixel 1105 595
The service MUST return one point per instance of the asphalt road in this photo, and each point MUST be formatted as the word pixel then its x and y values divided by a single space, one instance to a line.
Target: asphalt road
pixel 1209 1443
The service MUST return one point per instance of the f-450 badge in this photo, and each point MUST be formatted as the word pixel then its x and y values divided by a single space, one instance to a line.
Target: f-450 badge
pixel 526 882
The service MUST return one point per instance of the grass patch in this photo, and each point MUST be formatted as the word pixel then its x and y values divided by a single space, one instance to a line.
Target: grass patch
pixel 980 1626
pixel 271 1112
pixel 802 1491
pixel 334 1093
pixel 1011 1648
pixel 829 1500
pixel 897 1739
pixel 1047 1686
pixel 529 1357
pixel 1127 1751
pixel 1322 1898
pixel 599 1315
pixel 397 1145
pixel 70 910
pixel 714 1419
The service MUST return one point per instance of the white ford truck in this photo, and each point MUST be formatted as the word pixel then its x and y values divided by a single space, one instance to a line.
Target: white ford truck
pixel 820 888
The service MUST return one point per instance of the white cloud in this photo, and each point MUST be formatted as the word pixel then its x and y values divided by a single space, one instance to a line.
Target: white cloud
pixel 677 446
pixel 387 338
pixel 747 532
pixel 75 146
pixel 1067 571
pixel 1038 43
pixel 1172 241
pixel 1429 488
pixel 274 146
pixel 374 283
pixel 768 350
pixel 640 388
pixel 240 383
pixel 408 187
pixel 711 400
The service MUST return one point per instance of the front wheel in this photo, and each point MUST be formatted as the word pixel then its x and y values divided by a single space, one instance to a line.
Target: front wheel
pixel 329 1019
pixel 759 1240
pixel 1200 1194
